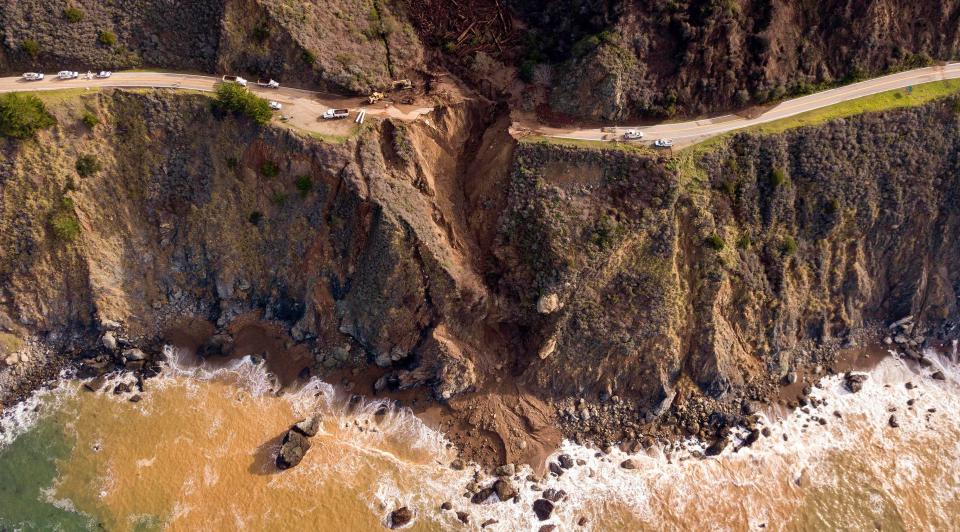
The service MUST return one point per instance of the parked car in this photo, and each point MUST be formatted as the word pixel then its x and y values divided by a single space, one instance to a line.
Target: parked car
pixel 33 76
pixel 103 74
pixel 276 106
pixel 632 134
pixel 68 74
pixel 268 83
pixel 663 143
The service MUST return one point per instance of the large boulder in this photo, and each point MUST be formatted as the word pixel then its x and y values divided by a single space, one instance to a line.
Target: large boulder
pixel 293 448
pixel 543 508
pixel 400 517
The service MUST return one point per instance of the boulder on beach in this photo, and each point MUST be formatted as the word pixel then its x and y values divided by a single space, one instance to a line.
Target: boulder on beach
pixel 293 448
pixel 853 382
pixel 308 427
pixel 400 517
pixel 543 508
pixel 504 489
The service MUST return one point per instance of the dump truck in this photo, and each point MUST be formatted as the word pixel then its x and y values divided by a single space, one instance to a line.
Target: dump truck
pixel 268 83
pixel 375 97
pixel 331 114
pixel 235 79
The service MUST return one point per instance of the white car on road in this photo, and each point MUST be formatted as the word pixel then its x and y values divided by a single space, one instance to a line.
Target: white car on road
pixel 68 74
pixel 632 134
pixel 275 106
pixel 33 76
pixel 103 74
pixel 663 143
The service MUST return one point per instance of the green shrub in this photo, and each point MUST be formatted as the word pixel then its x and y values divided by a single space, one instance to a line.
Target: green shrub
pixel 832 206
pixel 789 246
pixel 30 47
pixel 63 221
pixel 309 57
pixel 73 14
pixel 232 163
pixel 260 33
pixel 87 165
pixel 304 185
pixel 956 106
pixel 402 144
pixel 106 37
pixel 778 177
pixel 71 184
pixel 714 242
pixel 234 98
pixel 269 169
pixel 22 115
pixel 90 119
pixel 255 217
pixel 526 70
pixel 744 241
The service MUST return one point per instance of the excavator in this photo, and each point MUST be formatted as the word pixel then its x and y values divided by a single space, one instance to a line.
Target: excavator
pixel 397 85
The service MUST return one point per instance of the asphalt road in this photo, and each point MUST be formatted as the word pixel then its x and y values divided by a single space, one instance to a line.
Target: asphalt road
pixel 305 106
pixel 686 133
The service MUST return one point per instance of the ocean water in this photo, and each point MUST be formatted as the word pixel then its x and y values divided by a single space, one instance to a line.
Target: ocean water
pixel 197 452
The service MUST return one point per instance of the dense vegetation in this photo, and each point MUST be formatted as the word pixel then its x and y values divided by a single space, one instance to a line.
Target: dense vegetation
pixel 22 115
pixel 236 99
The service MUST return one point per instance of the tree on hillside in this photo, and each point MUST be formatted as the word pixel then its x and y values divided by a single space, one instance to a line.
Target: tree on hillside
pixel 237 99
pixel 22 115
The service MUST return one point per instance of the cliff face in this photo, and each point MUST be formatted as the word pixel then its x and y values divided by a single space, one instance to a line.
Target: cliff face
pixel 697 57
pixel 728 266
pixel 454 258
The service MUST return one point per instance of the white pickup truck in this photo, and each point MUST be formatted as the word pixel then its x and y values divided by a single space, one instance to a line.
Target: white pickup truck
pixel 33 76
pixel 330 114
pixel 235 79
pixel 68 74
pixel 632 134
pixel 663 143
pixel 268 83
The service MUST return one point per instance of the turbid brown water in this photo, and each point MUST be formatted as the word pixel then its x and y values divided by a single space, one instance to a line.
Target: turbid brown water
pixel 196 453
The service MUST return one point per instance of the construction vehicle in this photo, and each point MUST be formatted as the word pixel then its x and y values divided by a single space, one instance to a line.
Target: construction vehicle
pixel 268 83
pixel 331 114
pixel 235 79
pixel 375 97
pixel 402 85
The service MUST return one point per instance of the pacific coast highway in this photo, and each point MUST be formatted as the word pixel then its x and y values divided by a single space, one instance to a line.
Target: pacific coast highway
pixel 305 106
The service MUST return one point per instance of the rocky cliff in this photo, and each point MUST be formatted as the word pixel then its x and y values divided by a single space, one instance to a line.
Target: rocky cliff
pixel 444 255
pixel 615 59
